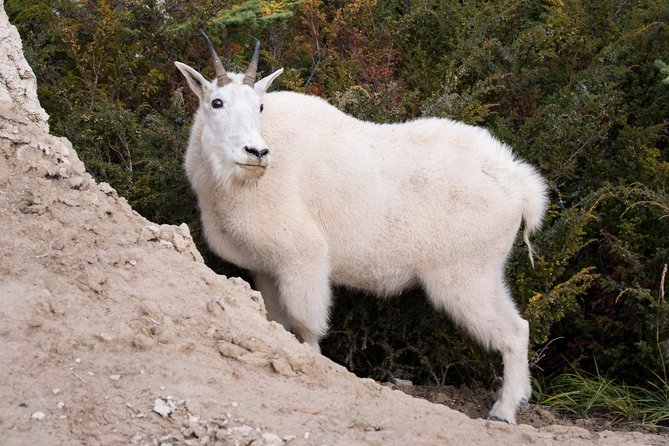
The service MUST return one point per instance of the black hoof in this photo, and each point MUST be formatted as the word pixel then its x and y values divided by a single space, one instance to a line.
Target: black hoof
pixel 493 418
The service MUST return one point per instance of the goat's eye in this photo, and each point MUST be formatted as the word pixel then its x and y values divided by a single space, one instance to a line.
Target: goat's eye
pixel 217 103
pixel 261 108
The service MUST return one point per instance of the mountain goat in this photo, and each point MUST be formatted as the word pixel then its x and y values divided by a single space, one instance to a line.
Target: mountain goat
pixel 305 196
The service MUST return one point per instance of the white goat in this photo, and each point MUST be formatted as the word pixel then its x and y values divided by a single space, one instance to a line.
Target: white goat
pixel 308 196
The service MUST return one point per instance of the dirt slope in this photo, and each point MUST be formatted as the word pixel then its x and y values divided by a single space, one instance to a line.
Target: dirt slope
pixel 113 331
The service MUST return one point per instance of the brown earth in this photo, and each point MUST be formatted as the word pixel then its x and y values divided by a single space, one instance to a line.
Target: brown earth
pixel 476 401
pixel 114 332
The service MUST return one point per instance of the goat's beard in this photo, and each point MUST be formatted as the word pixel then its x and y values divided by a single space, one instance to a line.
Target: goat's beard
pixel 236 176
pixel 248 172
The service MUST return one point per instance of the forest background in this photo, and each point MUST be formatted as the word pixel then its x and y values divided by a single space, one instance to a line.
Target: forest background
pixel 579 88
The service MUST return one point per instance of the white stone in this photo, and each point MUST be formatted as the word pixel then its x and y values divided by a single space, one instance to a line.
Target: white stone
pixel 38 415
pixel 161 407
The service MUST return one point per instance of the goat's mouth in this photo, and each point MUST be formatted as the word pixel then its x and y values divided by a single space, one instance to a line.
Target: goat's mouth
pixel 250 171
pixel 251 166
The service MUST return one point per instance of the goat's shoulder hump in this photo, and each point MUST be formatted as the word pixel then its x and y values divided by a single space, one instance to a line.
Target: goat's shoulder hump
pixel 304 107
pixel 291 98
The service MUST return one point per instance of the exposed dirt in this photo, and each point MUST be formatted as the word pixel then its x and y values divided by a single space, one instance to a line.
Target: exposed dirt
pixel 114 332
pixel 476 401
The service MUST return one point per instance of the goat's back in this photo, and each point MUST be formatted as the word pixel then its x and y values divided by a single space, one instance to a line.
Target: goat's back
pixel 394 198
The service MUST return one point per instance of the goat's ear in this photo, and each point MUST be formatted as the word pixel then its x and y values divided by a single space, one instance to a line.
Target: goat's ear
pixel 263 84
pixel 195 80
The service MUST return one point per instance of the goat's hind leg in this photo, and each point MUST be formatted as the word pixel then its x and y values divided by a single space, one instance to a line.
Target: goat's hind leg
pixel 485 310
pixel 516 387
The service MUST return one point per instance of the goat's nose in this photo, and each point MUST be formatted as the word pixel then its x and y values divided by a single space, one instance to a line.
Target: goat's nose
pixel 255 152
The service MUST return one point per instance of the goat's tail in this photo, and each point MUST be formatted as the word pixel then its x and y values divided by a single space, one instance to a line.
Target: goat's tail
pixel 535 201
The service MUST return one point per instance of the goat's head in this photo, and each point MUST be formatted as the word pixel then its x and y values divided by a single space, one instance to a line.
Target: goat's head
pixel 230 108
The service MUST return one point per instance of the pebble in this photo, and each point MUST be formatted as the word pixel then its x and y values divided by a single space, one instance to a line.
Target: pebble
pixel 38 415
pixel 161 407
pixel 106 336
pixel 272 439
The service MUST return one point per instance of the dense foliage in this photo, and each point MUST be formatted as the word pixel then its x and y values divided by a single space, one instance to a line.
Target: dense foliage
pixel 579 88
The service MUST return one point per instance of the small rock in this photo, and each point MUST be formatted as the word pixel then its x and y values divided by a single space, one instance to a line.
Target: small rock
pixel 244 431
pixel 114 377
pixel 76 182
pixel 282 366
pixel 272 439
pixel 187 432
pixel 165 441
pixel 55 391
pixel 255 358
pixel 402 382
pixel 38 415
pixel 162 408
pixel 180 243
pixel 150 232
pixel 166 244
pixel 298 362
pixel 105 188
pixel 61 404
pixel 106 336
pixel 230 350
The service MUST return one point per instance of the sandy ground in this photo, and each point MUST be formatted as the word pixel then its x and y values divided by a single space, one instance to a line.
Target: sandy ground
pixel 114 332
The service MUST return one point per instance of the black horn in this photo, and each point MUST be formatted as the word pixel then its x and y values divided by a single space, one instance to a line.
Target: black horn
pixel 221 74
pixel 250 77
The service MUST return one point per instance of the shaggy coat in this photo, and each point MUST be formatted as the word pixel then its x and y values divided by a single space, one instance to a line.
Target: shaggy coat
pixel 376 207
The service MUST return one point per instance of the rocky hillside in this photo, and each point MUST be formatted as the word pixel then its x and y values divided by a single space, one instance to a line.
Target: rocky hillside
pixel 114 332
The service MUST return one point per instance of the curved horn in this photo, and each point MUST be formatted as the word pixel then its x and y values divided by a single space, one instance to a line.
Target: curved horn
pixel 221 74
pixel 250 77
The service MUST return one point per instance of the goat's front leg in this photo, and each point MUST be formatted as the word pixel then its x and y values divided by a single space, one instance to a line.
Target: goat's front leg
pixel 304 293
pixel 267 286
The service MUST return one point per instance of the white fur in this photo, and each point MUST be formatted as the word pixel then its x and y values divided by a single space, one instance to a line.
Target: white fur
pixel 381 208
